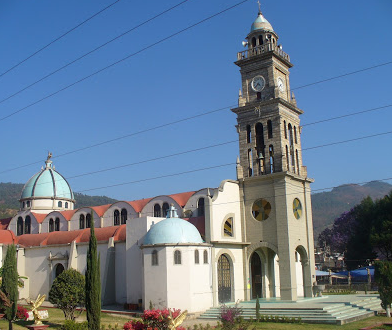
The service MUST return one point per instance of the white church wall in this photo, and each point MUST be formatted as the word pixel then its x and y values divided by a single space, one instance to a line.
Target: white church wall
pixel 155 278
pixel 74 222
pixel 54 215
pixel 148 209
pixel 108 217
pixel 201 281
pixel 136 230
pixel 23 214
pixel 299 275
pixel 120 279
pixel 192 203
pixel 225 204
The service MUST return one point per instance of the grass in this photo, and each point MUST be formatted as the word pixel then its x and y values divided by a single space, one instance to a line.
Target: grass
pixel 56 318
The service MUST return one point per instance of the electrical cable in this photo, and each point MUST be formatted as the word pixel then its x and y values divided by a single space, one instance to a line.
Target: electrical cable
pixel 123 59
pixel 92 51
pixel 342 75
pixel 58 38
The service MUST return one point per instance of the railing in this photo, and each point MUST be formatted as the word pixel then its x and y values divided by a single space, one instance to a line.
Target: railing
pixel 261 50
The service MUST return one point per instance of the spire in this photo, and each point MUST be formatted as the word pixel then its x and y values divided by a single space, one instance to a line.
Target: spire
pixel 260 13
pixel 172 212
pixel 48 162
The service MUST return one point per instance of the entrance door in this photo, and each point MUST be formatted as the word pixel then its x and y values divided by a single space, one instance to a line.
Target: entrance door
pixel 255 264
pixel 224 279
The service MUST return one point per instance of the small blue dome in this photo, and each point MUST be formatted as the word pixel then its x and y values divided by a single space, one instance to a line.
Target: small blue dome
pixel 261 23
pixel 172 230
pixel 47 183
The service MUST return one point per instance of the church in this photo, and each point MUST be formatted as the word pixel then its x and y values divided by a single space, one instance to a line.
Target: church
pixel 250 237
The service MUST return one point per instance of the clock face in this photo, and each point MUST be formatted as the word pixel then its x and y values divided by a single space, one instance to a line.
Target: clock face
pixel 261 209
pixel 297 208
pixel 280 84
pixel 258 83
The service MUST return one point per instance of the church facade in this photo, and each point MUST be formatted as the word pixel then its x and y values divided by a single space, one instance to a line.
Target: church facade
pixel 250 237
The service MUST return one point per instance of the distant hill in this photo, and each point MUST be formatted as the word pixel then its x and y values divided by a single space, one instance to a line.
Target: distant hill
pixel 10 194
pixel 327 206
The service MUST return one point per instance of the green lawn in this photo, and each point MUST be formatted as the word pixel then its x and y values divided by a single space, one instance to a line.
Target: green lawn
pixel 56 318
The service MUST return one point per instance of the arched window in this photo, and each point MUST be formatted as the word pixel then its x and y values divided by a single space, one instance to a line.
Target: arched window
pixel 124 216
pixel 261 40
pixel 285 129
pixel 57 224
pixel 165 208
pixel 291 142
pixel 60 204
pixel 154 258
pixel 81 221
pixel 271 158
pixel 259 137
pixel 66 205
pixel 228 228
pixel 19 226
pixel 295 134
pixel 253 42
pixel 287 158
pixel 23 204
pixel 28 203
pixel 88 220
pixel 177 257
pixel 250 162
pixel 205 257
pixel 200 207
pixel 157 210
pixel 248 134
pixel 197 257
pixel 59 269
pixel 116 217
pixel 51 225
pixel 296 155
pixel 27 225
pixel 269 125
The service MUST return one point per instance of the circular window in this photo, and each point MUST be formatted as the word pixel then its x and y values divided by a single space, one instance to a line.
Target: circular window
pixel 261 209
pixel 297 208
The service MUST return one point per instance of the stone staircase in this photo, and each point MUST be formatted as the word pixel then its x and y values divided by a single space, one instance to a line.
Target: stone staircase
pixel 336 313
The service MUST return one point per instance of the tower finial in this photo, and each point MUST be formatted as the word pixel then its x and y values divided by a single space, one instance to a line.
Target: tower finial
pixel 259 6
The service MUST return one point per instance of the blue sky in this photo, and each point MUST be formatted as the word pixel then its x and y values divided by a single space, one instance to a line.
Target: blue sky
pixel 184 76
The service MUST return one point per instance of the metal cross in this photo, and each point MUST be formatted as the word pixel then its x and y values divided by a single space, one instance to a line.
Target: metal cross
pixel 259 6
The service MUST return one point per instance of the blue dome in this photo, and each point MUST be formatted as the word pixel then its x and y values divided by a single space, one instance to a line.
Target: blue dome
pixel 47 183
pixel 261 23
pixel 172 230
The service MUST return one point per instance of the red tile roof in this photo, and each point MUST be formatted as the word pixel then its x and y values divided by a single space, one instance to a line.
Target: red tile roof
pixel 7 237
pixel 39 216
pixel 182 198
pixel 138 205
pixel 100 210
pixel 66 237
pixel 4 223
pixel 68 214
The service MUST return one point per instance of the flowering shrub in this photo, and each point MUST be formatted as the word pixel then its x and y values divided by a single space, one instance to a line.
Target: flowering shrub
pixel 22 313
pixel 230 316
pixel 153 319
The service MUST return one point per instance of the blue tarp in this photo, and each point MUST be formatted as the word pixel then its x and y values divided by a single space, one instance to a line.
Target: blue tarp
pixel 360 273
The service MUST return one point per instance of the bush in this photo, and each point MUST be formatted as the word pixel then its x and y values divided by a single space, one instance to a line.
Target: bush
pixel 21 313
pixel 230 317
pixel 72 325
pixel 67 292
pixel 155 319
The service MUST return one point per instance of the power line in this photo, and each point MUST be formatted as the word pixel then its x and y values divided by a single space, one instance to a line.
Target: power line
pixel 348 115
pixel 342 75
pixel 92 51
pixel 124 58
pixel 60 37
pixel 211 146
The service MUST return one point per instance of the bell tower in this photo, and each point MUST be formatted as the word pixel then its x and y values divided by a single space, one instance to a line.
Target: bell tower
pixel 274 183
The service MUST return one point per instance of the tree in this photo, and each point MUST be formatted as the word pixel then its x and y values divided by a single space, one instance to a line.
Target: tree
pixel 381 233
pixel 383 277
pixel 93 282
pixel 67 292
pixel 9 285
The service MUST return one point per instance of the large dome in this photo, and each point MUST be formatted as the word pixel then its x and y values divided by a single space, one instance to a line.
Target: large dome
pixel 47 183
pixel 261 23
pixel 172 230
